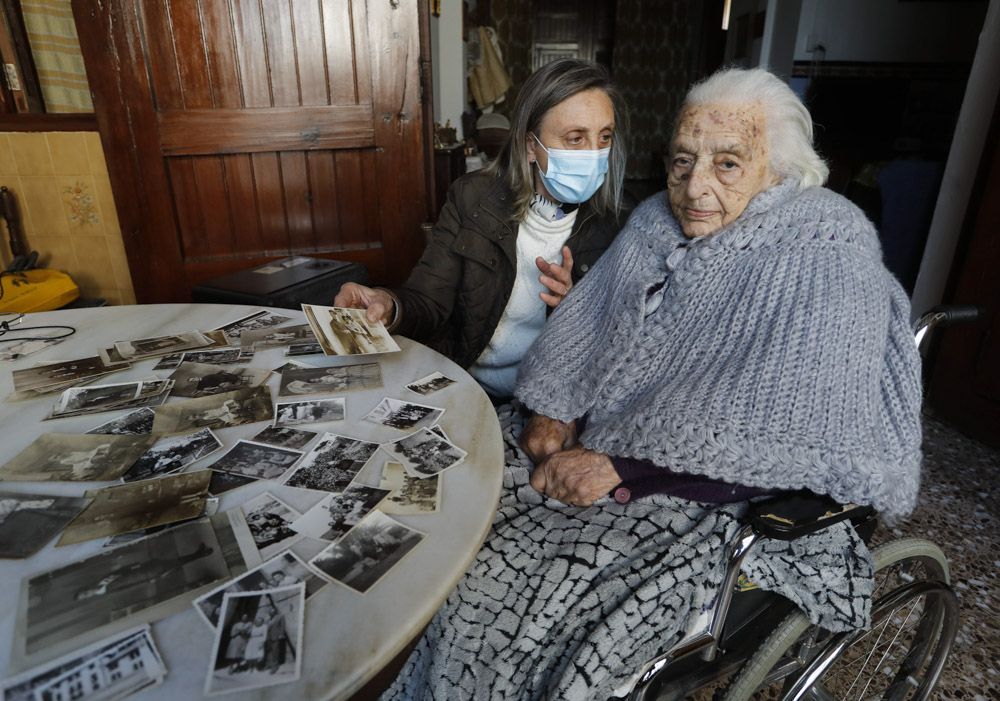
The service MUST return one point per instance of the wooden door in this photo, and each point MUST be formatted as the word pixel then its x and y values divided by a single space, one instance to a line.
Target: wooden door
pixel 965 382
pixel 238 131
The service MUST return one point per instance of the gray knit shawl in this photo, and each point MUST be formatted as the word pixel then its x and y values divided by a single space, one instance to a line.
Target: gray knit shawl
pixel 780 357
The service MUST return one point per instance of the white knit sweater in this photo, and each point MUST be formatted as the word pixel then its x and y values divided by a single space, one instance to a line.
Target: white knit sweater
pixel 524 315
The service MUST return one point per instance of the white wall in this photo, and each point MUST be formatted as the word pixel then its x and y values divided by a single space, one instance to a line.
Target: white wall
pixel 448 65
pixel 889 30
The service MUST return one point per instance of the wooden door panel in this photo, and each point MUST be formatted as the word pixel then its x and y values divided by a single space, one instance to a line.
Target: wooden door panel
pixel 241 130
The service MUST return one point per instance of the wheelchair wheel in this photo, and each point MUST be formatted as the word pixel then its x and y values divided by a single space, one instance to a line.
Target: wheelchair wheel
pixel 914 622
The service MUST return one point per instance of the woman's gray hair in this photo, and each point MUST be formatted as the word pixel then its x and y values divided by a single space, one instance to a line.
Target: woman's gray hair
pixel 543 90
pixel 788 124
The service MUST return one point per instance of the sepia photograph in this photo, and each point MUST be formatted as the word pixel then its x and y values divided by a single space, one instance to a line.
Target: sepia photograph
pixel 242 406
pixel 342 331
pixel 211 508
pixel 403 416
pixel 62 372
pixel 143 348
pixel 257 320
pixel 281 336
pixel 300 381
pixel 202 379
pixel 132 507
pixel 134 423
pixel 110 669
pixel 115 587
pixel 368 551
pixel 279 571
pixel 68 457
pixel 332 463
pixel 258 641
pixel 304 349
pixel 269 520
pixel 424 453
pixel 284 437
pixel 173 453
pixel 409 496
pixel 96 398
pixel 29 521
pixel 223 482
pixel 336 514
pixel 429 384
pixel 309 411
pixel 257 460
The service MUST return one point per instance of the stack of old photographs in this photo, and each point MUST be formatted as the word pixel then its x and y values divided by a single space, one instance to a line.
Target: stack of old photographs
pixel 342 331
pixel 57 376
pixel 122 395
pixel 215 356
pixel 111 669
pixel 257 619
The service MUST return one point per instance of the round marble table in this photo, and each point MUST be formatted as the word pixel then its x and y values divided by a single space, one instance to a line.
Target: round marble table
pixel 348 636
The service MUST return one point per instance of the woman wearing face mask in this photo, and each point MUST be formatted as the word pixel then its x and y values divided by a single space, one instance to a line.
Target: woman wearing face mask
pixel 512 239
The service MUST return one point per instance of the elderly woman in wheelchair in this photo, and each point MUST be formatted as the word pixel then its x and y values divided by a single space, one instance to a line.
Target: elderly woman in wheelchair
pixel 740 341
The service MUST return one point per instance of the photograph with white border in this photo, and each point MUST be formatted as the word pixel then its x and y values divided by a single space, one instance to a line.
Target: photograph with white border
pixel 285 437
pixel 261 319
pixel 172 454
pixel 257 460
pixel 297 382
pixel 134 423
pixel 367 552
pixel 432 383
pixel 269 520
pixel 344 331
pixel 309 411
pixel 409 496
pixel 336 514
pixel 258 641
pixel 424 453
pixel 404 416
pixel 332 464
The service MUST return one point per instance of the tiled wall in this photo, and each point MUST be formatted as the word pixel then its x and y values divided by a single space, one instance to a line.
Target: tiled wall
pixel 67 212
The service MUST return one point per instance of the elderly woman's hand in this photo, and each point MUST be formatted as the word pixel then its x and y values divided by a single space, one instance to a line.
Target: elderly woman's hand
pixel 543 436
pixel 557 278
pixel 577 476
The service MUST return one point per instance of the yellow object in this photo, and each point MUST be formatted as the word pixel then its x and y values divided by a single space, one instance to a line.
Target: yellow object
pixel 36 291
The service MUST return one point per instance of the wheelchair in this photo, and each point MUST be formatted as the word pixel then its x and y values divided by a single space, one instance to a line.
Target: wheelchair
pixel 766 647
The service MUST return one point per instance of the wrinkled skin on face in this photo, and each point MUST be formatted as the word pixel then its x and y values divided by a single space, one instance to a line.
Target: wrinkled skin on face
pixel 718 163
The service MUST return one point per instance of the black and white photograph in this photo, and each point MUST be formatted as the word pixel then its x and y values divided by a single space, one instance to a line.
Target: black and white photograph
pixel 257 460
pixel 211 508
pixel 292 365
pixel 69 457
pixel 284 437
pixel 336 514
pixel 367 552
pixel 301 381
pixel 132 507
pixel 29 521
pixel 431 383
pixel 258 641
pixel 403 416
pixel 269 520
pixel 409 496
pixel 134 423
pixel 423 453
pixel 440 432
pixel 110 669
pixel 279 571
pixel 203 379
pixel 116 587
pixel 332 463
pixel 280 336
pixel 309 411
pixel 61 373
pixel 257 320
pixel 342 331
pixel 223 482
pixel 93 399
pixel 172 454
pixel 215 356
pixel 242 406
pixel 142 348
pixel 304 349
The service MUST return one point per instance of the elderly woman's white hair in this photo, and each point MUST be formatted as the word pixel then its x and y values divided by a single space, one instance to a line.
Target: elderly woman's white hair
pixel 788 123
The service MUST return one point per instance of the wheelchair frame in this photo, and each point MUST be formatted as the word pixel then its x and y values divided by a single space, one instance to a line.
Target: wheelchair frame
pixel 796 653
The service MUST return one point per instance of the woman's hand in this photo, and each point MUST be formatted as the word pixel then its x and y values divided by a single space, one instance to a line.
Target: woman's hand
pixel 378 303
pixel 578 476
pixel 557 278
pixel 543 436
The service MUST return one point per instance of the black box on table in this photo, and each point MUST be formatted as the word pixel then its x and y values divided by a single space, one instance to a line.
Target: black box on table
pixel 285 283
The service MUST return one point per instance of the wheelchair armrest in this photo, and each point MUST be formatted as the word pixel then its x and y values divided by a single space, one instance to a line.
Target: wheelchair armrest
pixel 795 514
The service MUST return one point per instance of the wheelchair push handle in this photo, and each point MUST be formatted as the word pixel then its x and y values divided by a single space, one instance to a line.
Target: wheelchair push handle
pixel 944 316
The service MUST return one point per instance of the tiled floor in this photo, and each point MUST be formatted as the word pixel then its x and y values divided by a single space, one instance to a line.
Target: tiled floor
pixel 958 510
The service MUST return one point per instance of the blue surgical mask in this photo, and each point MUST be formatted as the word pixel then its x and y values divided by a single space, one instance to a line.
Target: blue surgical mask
pixel 573 176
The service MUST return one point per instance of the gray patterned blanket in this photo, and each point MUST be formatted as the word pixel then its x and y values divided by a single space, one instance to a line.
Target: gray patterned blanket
pixel 567 602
